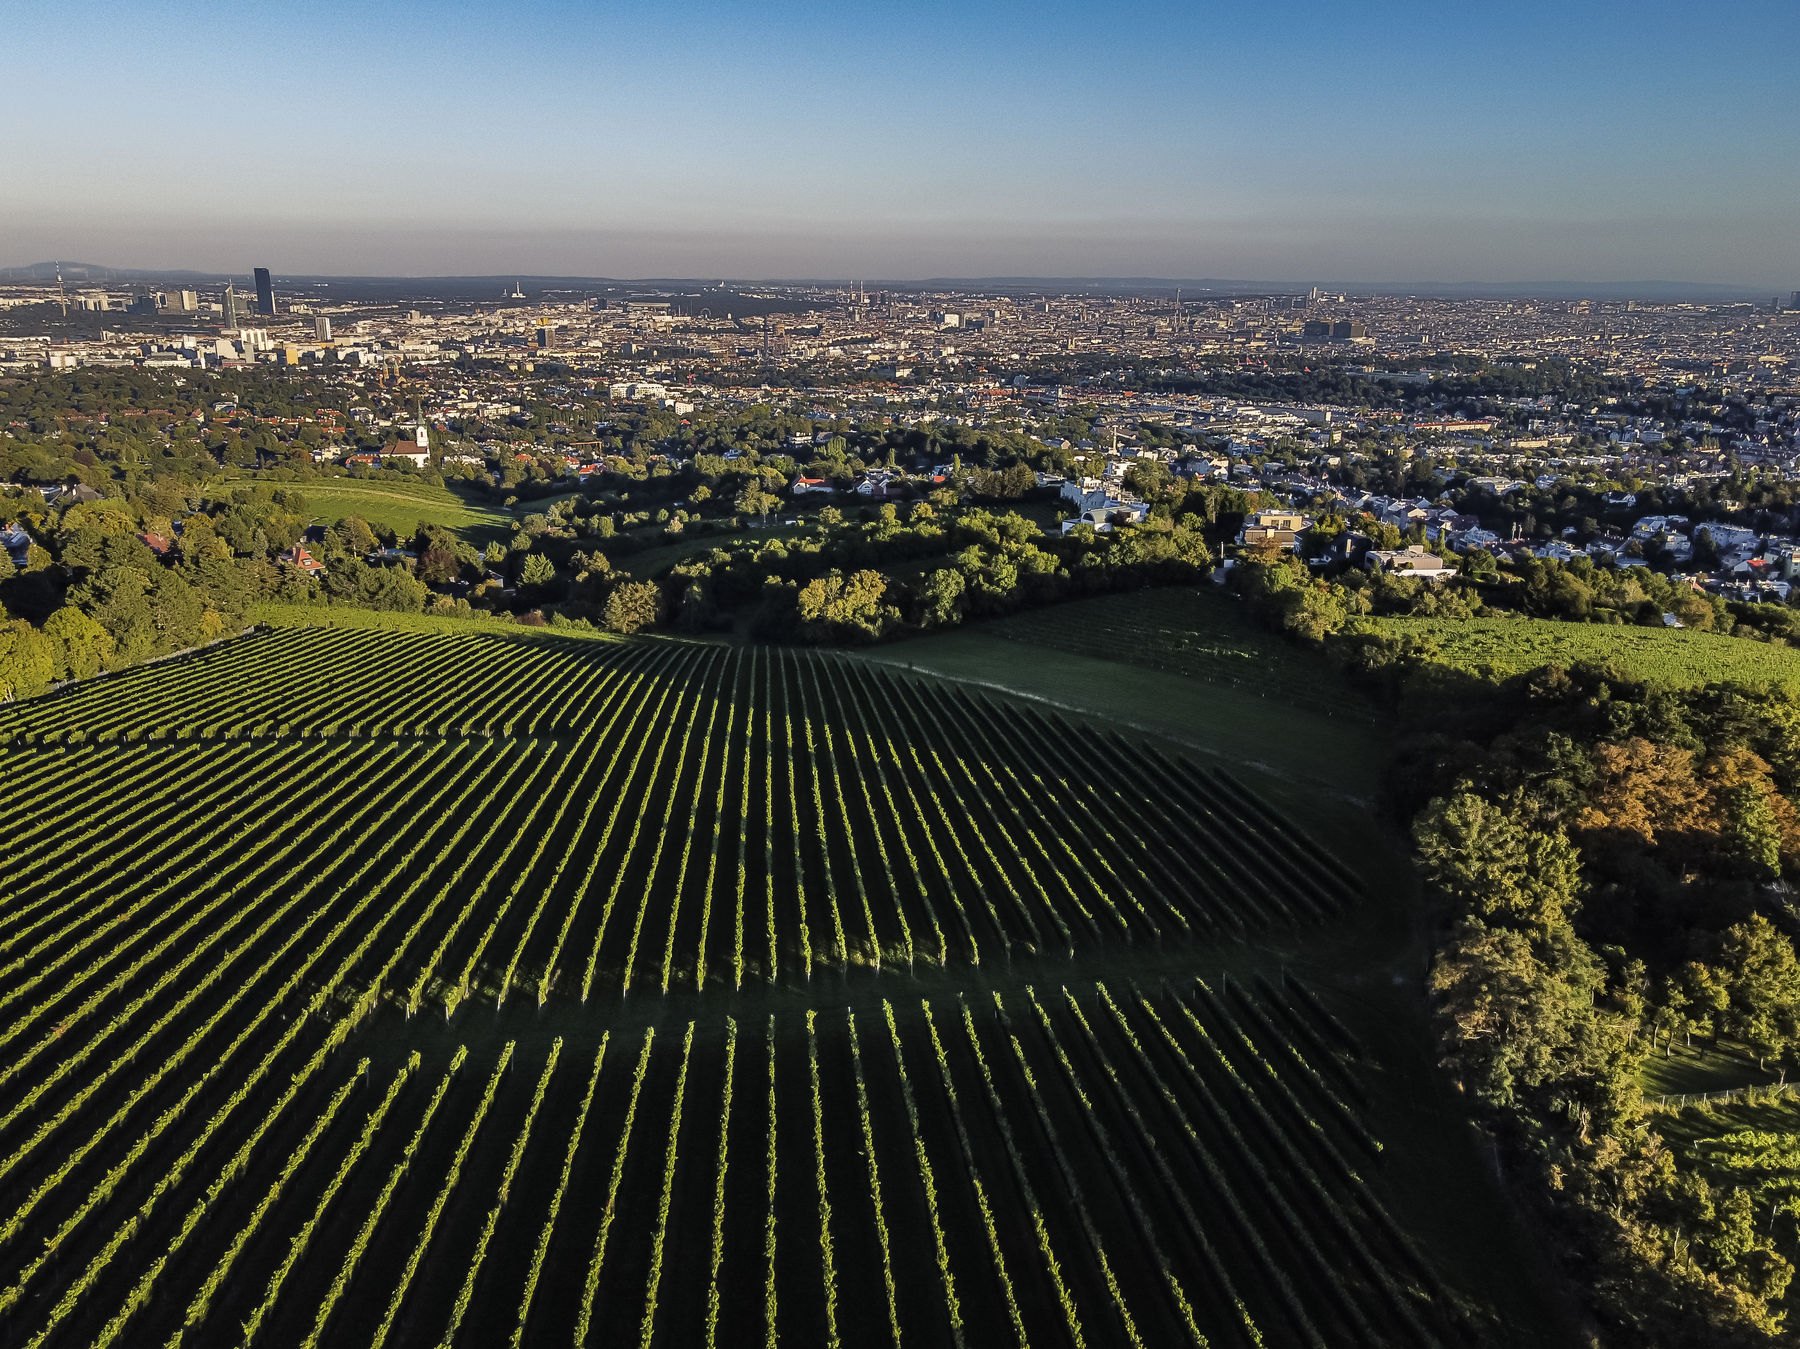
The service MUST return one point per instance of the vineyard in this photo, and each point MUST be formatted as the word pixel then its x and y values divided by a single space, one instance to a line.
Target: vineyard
pixel 416 989
pixel 1492 649
pixel 324 681
pixel 595 818
pixel 1195 634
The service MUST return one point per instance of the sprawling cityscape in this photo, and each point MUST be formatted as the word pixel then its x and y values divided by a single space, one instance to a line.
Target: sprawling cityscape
pixel 1686 395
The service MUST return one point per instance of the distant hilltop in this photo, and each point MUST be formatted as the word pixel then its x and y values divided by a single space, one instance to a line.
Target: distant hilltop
pixel 89 273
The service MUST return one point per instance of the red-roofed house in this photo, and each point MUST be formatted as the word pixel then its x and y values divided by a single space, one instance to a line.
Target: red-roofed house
pixel 297 556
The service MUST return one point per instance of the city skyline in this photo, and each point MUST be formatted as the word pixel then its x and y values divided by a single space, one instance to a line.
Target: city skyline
pixel 1608 143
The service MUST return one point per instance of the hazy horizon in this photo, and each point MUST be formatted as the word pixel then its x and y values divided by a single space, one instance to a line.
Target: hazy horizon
pixel 1602 143
pixel 1647 288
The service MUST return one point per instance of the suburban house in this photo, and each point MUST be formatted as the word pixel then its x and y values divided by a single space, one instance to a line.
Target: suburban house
pixel 1410 561
pixel 801 486
pixel 878 487
pixel 1105 518
pixel 1277 527
pixel 298 556
pixel 1085 493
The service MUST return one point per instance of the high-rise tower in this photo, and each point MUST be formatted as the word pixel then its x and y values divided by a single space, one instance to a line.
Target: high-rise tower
pixel 265 293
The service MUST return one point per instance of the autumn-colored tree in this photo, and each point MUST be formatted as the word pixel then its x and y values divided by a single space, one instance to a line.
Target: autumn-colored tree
pixel 1643 789
pixel 1756 825
pixel 439 565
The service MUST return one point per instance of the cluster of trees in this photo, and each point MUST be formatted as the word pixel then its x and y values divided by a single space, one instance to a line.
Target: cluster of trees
pixel 854 582
pixel 95 593
pixel 1761 499
pixel 1606 855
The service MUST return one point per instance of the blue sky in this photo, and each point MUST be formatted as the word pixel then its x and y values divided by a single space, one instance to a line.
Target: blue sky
pixel 1285 139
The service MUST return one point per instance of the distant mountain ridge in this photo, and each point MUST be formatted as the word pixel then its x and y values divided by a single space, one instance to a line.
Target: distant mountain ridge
pixel 87 273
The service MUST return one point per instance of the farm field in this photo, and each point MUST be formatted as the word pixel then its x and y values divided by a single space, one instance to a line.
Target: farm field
pixel 411 988
pixel 319 681
pixel 1492 649
pixel 1198 634
pixel 1109 1164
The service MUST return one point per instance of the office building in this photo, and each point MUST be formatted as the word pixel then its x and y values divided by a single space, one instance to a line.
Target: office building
pixel 1347 330
pixel 232 306
pixel 265 293
pixel 322 328
pixel 543 337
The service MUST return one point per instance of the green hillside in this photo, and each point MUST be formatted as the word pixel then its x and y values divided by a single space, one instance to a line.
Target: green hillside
pixel 400 506
pixel 1496 648
pixel 1201 635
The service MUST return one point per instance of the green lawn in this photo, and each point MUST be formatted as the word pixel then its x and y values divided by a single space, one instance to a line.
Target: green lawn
pixel 1689 1126
pixel 1249 725
pixel 541 505
pixel 1700 1069
pixel 403 506
pixel 1201 634
pixel 1496 648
